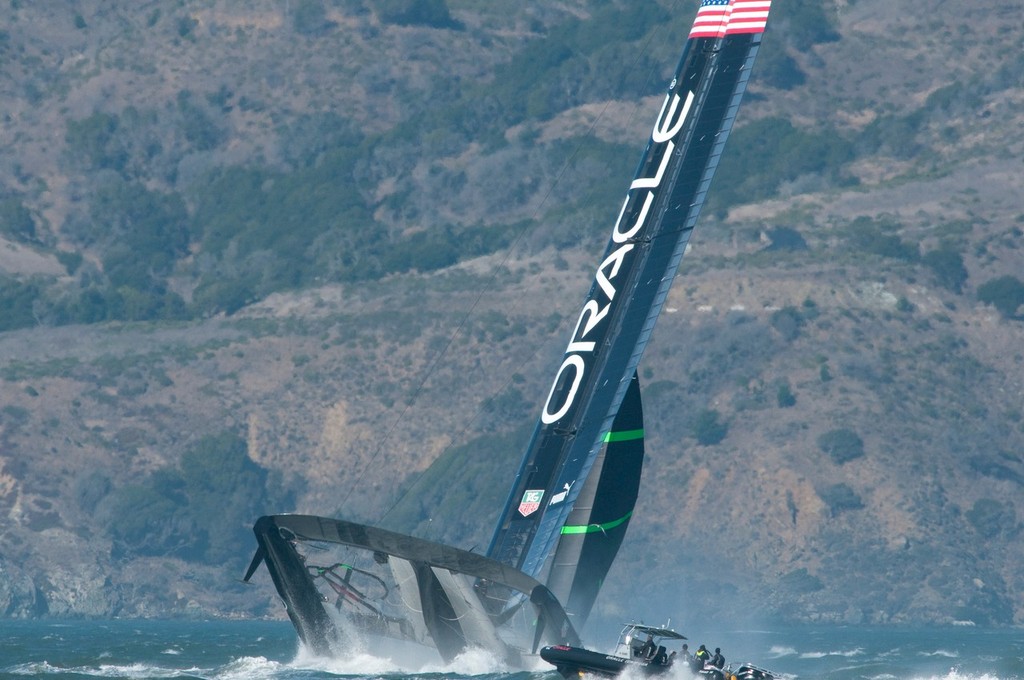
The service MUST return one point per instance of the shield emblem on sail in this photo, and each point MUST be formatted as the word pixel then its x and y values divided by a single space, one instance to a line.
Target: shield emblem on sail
pixel 530 503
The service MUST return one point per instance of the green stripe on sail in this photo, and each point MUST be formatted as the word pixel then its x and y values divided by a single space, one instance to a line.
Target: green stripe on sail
pixel 593 528
pixel 625 436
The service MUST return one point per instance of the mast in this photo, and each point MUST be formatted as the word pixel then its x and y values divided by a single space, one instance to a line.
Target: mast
pixel 630 285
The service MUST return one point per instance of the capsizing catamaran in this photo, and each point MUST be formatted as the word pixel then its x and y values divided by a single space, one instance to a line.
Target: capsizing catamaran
pixel 573 496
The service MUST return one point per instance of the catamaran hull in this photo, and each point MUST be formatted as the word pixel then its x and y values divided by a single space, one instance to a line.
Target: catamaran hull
pixel 401 587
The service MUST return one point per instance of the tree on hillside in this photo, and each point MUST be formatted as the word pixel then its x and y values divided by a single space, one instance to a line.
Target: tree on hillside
pixel 198 510
pixel 842 445
pixel 787 321
pixel 784 396
pixel 433 13
pixel 990 517
pixel 948 266
pixel 16 221
pixel 95 142
pixel 1005 293
pixel 881 237
pixel 839 498
pixel 310 18
pixel 707 429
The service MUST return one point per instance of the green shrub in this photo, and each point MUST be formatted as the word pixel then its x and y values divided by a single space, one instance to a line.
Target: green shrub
pixel 801 581
pixel 776 68
pixel 198 126
pixel 839 498
pixel 842 445
pixel 309 17
pixel 199 510
pixel 990 517
pixel 809 22
pixel 71 260
pixel 1005 293
pixel 787 321
pixel 948 267
pixel 879 237
pixel 782 152
pixel 707 429
pixel 784 396
pixel 16 221
pixel 785 238
pixel 94 141
pixel 432 13
pixel 18 301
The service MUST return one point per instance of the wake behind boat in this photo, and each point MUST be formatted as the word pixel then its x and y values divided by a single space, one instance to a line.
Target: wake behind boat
pixel 648 656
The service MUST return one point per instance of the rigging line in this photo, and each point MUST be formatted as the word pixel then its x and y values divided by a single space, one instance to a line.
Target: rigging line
pixel 490 286
pixel 460 434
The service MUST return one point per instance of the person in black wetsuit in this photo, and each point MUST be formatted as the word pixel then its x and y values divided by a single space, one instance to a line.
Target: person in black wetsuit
pixel 649 648
pixel 718 661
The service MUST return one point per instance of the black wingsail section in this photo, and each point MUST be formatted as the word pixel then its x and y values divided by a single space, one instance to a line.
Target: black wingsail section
pixel 597 524
pixel 631 283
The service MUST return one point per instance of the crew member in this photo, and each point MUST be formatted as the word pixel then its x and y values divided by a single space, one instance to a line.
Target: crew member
pixel 649 648
pixel 701 657
pixel 718 661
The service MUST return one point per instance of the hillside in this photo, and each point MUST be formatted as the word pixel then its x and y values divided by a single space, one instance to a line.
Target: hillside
pixel 322 256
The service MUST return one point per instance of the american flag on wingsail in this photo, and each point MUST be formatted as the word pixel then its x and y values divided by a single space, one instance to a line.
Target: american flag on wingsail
pixel 711 19
pixel 748 16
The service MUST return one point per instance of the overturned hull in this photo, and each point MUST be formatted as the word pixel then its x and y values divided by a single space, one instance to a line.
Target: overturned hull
pixel 330 572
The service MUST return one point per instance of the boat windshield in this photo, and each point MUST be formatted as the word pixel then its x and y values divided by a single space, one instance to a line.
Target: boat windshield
pixel 634 636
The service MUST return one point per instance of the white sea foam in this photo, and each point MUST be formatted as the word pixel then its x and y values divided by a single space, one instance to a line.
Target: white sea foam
pixel 404 660
pixel 249 668
pixel 134 670
pixel 957 674
pixel 33 668
pixel 821 655
pixel 471 662
pixel 941 652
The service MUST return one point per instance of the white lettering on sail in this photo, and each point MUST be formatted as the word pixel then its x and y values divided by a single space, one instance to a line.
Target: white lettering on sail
pixel 574 361
pixel 622 237
pixel 662 133
pixel 589 318
pixel 583 342
pixel 652 182
pixel 615 260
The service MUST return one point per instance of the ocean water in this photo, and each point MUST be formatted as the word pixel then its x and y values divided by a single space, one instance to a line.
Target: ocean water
pixel 259 650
